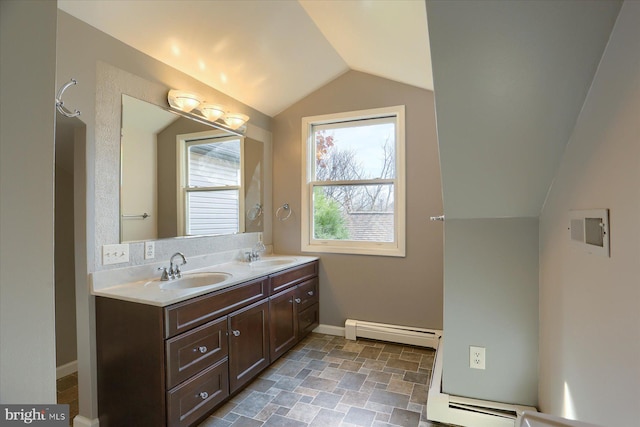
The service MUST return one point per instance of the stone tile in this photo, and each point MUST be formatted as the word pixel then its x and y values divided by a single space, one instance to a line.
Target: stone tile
pixel 341 354
pixel 291 368
pixel 317 365
pixel 279 421
pixel 238 398
pixel 369 352
pixel 419 394
pixel 315 344
pixel 266 412
pixel 261 384
pixel 389 398
pixel 415 407
pixel 286 398
pixel 225 409
pixel 282 411
pixel 404 418
pixel 360 417
pixel 303 374
pixel 352 381
pixel 327 418
pixel 392 348
pixel 303 412
pixel 355 398
pixel 307 391
pixel 368 386
pixel 342 408
pixel 377 423
pixel 382 417
pixel 379 407
pixel 379 377
pixel 316 354
pixel 332 374
pixel 326 400
pixel 318 383
pixel 402 387
pixel 246 422
pixel 231 417
pixel 416 377
pixel 375 365
pixel 253 404
pixel 411 357
pixel 349 365
pixel 402 364
pixel 287 383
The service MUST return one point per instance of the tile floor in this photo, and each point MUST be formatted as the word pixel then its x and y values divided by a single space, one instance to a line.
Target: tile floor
pixel 328 381
pixel 67 390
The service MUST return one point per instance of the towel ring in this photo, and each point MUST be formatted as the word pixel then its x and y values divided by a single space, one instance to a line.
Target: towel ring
pixel 286 208
pixel 255 212
pixel 60 103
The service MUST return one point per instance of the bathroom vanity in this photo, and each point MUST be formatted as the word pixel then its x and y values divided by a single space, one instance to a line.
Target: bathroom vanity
pixel 172 364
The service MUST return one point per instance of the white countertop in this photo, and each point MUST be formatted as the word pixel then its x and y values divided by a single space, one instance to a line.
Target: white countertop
pixel 149 291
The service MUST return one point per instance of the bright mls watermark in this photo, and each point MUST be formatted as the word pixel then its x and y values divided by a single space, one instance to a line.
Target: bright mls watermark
pixel 36 415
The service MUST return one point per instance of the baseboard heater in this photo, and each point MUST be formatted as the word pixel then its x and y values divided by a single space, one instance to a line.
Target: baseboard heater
pixel 392 333
pixel 463 411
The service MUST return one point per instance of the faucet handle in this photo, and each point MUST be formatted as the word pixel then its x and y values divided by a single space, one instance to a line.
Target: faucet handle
pixel 165 273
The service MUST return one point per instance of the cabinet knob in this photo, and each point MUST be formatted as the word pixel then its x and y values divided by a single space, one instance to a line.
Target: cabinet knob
pixel 298 300
pixel 203 395
pixel 310 293
pixel 236 333
pixel 201 349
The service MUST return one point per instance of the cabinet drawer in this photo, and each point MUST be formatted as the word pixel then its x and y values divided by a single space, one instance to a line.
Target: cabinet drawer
pixel 189 353
pixel 308 320
pixel 193 399
pixel 197 311
pixel 307 294
pixel 288 278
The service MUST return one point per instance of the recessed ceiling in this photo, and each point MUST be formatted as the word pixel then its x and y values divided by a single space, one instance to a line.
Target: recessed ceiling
pixel 270 54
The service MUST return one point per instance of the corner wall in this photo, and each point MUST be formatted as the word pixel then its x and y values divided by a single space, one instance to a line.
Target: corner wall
pixel 404 291
pixel 589 305
pixel 27 85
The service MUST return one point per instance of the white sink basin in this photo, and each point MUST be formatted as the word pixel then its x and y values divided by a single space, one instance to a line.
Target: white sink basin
pixel 272 262
pixel 196 280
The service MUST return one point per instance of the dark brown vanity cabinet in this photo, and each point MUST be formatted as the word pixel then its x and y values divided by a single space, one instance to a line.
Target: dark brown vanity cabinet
pixel 172 366
pixel 294 308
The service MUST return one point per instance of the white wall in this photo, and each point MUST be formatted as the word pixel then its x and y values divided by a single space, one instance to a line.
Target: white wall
pixel 27 85
pixel 590 305
pixel 491 301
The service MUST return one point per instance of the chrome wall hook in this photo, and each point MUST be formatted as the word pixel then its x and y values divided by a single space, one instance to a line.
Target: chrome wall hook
pixel 60 103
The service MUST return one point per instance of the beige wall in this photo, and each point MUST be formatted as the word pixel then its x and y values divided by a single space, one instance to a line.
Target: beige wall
pixel 27 94
pixel 590 305
pixel 405 291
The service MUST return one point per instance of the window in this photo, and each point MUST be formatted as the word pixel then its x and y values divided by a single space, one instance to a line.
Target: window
pixel 353 196
pixel 211 173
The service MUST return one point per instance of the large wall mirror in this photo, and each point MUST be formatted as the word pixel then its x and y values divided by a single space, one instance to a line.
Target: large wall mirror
pixel 181 178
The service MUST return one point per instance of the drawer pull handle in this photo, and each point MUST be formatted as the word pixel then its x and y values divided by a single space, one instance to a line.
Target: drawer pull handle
pixel 202 349
pixel 298 300
pixel 236 333
pixel 203 395
pixel 310 293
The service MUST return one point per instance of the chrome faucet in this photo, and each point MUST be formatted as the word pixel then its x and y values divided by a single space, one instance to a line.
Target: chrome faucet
pixel 254 255
pixel 174 269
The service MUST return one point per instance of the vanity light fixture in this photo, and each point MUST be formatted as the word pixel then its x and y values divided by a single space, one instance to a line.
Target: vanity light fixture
pixel 189 102
pixel 235 120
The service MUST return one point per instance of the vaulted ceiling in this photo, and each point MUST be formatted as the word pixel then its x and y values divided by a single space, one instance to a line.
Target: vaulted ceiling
pixel 269 54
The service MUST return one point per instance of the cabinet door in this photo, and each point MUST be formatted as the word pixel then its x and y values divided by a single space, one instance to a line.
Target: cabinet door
pixel 283 323
pixel 248 343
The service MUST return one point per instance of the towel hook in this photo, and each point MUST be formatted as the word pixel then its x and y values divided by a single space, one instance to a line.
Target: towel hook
pixel 60 103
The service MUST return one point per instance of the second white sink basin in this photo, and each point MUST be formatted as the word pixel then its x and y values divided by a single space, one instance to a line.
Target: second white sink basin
pixel 271 262
pixel 196 280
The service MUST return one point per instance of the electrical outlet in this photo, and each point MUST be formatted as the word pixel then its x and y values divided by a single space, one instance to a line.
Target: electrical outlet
pixel 115 254
pixel 477 357
pixel 149 250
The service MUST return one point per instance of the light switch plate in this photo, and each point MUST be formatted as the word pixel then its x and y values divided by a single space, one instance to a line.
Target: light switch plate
pixel 115 254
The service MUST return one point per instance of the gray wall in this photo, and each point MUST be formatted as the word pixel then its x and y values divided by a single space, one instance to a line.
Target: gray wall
pixel 27 85
pixel 491 301
pixel 405 291
pixel 104 68
pixel 589 305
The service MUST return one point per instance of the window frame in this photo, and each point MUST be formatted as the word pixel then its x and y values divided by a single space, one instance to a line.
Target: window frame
pixel 182 145
pixel 308 243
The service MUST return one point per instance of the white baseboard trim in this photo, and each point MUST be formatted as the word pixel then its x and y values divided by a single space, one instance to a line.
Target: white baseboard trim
pixel 330 330
pixel 80 421
pixel 66 369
